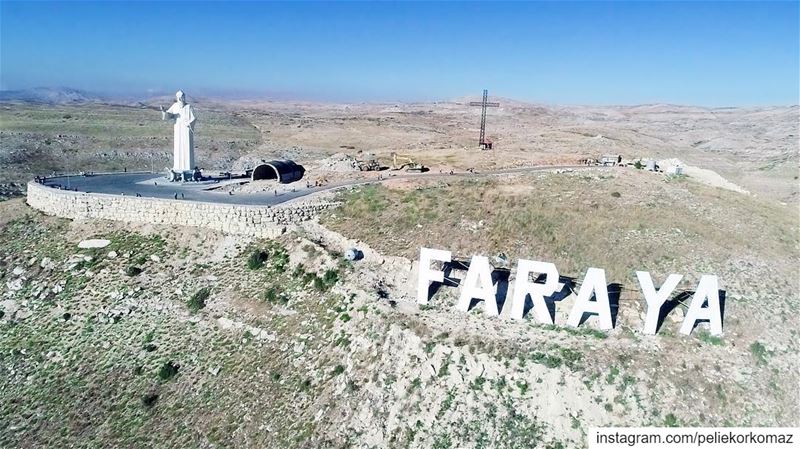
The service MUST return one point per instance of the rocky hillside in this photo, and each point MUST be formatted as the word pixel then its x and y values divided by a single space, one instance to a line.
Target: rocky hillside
pixel 180 337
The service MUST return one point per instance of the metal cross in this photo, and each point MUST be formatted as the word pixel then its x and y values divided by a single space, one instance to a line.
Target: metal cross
pixel 484 104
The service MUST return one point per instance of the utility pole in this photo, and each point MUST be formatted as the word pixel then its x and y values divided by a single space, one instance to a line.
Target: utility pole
pixel 482 142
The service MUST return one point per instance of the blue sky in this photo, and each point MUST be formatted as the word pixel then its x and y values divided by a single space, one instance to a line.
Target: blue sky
pixel 704 53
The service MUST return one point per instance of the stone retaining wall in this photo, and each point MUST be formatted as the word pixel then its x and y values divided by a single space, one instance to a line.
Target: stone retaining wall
pixel 260 221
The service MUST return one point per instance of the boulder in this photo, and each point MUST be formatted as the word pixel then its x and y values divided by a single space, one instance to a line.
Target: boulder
pixel 94 243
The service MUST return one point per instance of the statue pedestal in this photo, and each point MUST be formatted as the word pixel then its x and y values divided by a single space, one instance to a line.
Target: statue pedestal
pixel 184 176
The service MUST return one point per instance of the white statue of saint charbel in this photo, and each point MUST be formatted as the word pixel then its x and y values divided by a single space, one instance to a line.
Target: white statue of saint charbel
pixel 183 114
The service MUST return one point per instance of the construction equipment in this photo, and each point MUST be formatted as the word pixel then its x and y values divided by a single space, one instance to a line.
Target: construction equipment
pixel 367 162
pixel 407 163
pixel 483 143
pixel 610 160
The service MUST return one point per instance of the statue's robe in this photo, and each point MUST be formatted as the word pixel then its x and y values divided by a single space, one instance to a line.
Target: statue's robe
pixel 184 136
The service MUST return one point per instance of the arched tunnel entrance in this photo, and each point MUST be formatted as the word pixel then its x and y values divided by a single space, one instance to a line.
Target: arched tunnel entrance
pixel 284 171
pixel 265 171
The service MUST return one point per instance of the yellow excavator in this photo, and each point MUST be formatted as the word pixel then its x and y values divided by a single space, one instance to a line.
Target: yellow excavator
pixel 400 161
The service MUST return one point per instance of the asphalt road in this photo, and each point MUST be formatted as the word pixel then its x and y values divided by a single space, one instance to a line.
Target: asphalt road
pixel 153 186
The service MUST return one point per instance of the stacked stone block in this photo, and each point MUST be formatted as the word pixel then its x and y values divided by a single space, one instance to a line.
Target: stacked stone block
pixel 259 221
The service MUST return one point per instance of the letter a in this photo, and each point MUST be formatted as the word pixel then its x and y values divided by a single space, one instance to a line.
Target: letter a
pixel 426 274
pixel 479 273
pixel 707 289
pixel 655 300
pixel 593 282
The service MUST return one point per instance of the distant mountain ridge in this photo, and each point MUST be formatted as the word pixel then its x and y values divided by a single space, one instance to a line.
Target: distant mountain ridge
pixel 51 95
pixel 68 95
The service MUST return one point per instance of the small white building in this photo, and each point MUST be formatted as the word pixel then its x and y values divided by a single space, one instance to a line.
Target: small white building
pixel 610 159
pixel 674 170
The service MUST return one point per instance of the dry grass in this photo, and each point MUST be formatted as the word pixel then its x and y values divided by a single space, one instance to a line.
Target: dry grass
pixel 620 221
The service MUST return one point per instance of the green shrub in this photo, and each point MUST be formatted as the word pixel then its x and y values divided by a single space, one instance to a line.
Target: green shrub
pixel 638 165
pixel 342 340
pixel 759 352
pixel 198 300
pixel 612 374
pixel 444 369
pixel 271 294
pixel 133 270
pixel 708 338
pixel 616 194
pixel 308 277
pixel 571 357
pixel 148 337
pixel 319 284
pixel 627 380
pixel 671 420
pixel 168 370
pixel 280 260
pixel 442 441
pixel 328 280
pixel 675 178
pixel 86 264
pixel 330 277
pixel 257 259
pixel 547 360
pixel 338 370
pixel 596 333
pixel 149 399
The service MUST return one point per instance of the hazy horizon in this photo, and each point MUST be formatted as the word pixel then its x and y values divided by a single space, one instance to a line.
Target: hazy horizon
pixel 596 53
pixel 216 95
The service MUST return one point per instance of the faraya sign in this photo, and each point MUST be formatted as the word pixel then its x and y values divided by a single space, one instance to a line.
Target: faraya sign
pixel 705 304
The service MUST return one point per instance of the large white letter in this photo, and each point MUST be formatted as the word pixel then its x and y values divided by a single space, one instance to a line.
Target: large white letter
pixel 479 273
pixel 593 282
pixel 523 287
pixel 707 289
pixel 426 274
pixel 655 299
